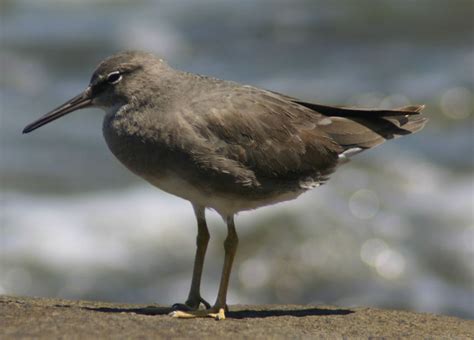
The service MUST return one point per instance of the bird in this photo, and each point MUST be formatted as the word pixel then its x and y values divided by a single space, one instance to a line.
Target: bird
pixel 222 145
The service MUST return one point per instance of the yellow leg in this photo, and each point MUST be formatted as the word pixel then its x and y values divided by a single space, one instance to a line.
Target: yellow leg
pixel 218 310
pixel 194 297
pixel 230 247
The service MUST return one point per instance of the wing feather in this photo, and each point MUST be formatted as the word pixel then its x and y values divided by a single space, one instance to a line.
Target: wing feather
pixel 263 133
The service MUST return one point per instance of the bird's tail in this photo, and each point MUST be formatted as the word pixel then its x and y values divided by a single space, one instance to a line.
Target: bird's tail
pixel 358 129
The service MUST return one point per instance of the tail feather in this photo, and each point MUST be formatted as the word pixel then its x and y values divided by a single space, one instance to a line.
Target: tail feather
pixel 359 129
pixel 350 112
pixel 411 108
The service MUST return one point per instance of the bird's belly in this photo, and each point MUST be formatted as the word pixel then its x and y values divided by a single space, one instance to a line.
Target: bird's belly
pixel 178 186
pixel 179 178
pixel 177 175
pixel 223 202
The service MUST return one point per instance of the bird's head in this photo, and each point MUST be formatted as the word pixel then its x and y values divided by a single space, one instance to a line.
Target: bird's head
pixel 115 82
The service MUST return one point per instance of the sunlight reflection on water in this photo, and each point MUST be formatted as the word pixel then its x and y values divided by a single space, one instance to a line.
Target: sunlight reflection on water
pixel 364 204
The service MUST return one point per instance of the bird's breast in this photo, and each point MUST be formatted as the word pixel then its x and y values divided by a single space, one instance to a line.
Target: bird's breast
pixel 139 155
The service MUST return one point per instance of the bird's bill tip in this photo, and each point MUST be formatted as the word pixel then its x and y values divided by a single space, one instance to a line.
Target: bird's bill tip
pixel 80 101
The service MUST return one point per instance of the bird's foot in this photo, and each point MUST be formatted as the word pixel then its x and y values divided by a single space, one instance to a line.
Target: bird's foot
pixel 191 304
pixel 217 313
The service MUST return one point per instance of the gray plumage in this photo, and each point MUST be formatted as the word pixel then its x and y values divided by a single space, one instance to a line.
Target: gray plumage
pixel 223 145
pixel 230 139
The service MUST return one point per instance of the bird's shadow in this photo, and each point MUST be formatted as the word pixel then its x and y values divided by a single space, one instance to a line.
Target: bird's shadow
pixel 240 314
pixel 150 310
pixel 249 313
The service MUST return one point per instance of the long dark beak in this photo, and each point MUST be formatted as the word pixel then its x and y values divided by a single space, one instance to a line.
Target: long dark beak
pixel 80 101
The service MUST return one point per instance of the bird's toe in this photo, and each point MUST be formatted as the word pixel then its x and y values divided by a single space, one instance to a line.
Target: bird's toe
pixel 215 313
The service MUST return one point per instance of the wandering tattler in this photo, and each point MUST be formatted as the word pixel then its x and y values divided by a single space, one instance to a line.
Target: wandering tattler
pixel 223 145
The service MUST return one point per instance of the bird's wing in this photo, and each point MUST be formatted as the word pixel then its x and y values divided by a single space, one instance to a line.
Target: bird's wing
pixel 355 128
pixel 262 134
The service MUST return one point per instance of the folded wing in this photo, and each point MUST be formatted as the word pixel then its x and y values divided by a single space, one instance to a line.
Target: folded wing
pixel 266 135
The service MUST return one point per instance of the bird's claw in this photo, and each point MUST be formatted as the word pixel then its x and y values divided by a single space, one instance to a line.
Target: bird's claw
pixel 215 313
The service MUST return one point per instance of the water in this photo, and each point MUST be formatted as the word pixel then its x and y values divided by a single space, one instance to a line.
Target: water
pixel 393 228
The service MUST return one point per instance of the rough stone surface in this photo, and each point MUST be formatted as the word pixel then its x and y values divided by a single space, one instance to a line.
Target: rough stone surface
pixel 40 318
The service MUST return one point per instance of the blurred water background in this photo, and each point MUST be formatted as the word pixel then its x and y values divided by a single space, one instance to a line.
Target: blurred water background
pixel 394 228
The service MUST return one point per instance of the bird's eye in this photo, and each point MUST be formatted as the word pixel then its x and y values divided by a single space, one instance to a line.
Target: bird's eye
pixel 114 77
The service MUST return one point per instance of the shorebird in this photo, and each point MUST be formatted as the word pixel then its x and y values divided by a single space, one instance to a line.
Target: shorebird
pixel 223 145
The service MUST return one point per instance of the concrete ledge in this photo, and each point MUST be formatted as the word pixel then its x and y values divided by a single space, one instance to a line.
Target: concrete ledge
pixel 40 318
